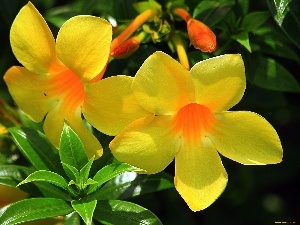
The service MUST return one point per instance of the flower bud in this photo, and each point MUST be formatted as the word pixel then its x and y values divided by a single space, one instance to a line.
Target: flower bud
pixel 201 36
pixel 126 48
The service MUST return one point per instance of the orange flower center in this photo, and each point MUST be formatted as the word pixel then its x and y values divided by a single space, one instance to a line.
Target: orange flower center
pixel 192 121
pixel 69 88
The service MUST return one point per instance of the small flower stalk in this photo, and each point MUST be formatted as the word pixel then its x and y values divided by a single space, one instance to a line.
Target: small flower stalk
pixel 201 36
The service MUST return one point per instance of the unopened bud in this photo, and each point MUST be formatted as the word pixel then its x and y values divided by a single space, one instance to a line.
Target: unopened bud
pixel 125 49
pixel 201 36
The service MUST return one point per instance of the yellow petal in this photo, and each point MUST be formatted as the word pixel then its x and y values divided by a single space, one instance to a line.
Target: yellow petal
pixel 110 105
pixel 200 177
pixel 147 143
pixel 247 138
pixel 28 91
pixel 83 45
pixel 90 142
pixel 32 41
pixel 160 85
pixel 220 82
pixel 53 127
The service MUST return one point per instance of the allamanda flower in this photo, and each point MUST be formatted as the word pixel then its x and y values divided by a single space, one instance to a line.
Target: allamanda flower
pixel 189 121
pixel 61 80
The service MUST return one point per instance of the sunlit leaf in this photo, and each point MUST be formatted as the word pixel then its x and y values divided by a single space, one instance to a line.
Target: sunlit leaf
pixel 34 209
pixel 287 14
pixel 114 212
pixel 130 184
pixel 72 151
pixel 11 175
pixel 110 171
pixel 72 219
pixel 243 39
pixel 85 171
pixel 47 176
pixel 85 209
pixel 37 149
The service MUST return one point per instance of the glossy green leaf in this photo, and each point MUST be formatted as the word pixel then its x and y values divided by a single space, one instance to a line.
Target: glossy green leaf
pixel 72 151
pixel 281 9
pixel 50 191
pixel 130 184
pixel 254 20
pixel 37 149
pixel 11 175
pixel 287 15
pixel 71 171
pixel 47 176
pixel 85 171
pixel 109 172
pixel 72 219
pixel 34 209
pixel 243 39
pixel 85 209
pixel 271 75
pixel 212 11
pixel 114 212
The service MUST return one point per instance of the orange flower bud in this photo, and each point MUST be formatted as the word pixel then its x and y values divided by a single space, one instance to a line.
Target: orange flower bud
pixel 201 36
pixel 126 48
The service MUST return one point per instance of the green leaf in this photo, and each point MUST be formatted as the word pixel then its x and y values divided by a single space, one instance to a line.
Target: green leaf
pixel 72 219
pixel 50 191
pixel 85 209
pixel 37 149
pixel 47 176
pixel 11 175
pixel 286 14
pixel 71 171
pixel 211 12
pixel 72 151
pixel 85 171
pixel 113 212
pixel 281 9
pixel 269 74
pixel 243 39
pixel 34 209
pixel 254 20
pixel 130 184
pixel 110 171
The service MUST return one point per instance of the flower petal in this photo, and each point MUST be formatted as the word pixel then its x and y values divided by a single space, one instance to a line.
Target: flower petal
pixel 247 138
pixel 110 104
pixel 32 41
pixel 28 91
pixel 90 142
pixel 200 177
pixel 147 143
pixel 220 82
pixel 83 45
pixel 160 85
pixel 53 127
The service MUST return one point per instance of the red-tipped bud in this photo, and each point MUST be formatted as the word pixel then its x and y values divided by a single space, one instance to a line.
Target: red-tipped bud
pixel 201 36
pixel 125 49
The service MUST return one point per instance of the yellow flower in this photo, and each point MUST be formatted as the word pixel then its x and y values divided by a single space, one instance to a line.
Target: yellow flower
pixel 190 122
pixel 61 80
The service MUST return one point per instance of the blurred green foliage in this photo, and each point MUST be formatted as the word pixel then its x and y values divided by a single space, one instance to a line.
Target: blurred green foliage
pixel 267 34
